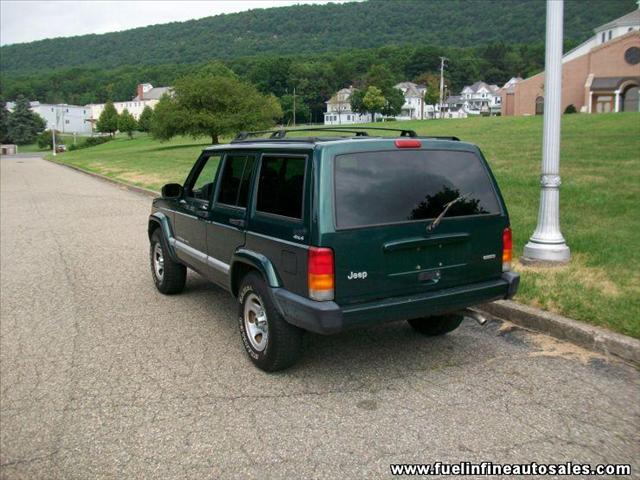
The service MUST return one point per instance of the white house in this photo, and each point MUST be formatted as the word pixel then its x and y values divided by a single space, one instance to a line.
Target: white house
pixel 339 110
pixel 482 98
pixel 454 107
pixel 604 33
pixel 147 95
pixel 414 107
pixel 61 117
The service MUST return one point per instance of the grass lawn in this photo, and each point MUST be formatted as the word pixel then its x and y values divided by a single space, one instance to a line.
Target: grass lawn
pixel 600 200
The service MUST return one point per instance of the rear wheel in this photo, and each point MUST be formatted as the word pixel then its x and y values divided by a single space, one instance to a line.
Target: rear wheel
pixel 271 342
pixel 437 324
pixel 169 276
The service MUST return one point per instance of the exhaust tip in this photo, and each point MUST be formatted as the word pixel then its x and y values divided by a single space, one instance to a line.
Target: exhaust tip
pixel 478 317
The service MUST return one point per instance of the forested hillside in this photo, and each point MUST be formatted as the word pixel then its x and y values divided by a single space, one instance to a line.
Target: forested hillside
pixel 313 29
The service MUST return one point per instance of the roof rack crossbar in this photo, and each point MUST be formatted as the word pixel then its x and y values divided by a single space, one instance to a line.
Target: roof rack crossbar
pixel 358 131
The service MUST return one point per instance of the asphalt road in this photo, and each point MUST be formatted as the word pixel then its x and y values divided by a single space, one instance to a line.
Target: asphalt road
pixel 103 377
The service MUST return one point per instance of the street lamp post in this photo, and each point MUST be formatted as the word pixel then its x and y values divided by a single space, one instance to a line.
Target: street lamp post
pixel 547 243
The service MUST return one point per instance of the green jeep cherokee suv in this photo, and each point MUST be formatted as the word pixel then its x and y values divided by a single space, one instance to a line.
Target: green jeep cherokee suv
pixel 321 234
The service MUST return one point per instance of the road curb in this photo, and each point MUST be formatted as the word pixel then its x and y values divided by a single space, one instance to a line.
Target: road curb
pixel 120 183
pixel 588 336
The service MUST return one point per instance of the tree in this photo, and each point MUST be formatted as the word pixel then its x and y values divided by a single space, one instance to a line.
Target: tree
pixel 394 100
pixel 213 105
pixel 45 139
pixel 146 117
pixel 380 76
pixel 432 82
pixel 23 125
pixel 126 123
pixel 108 120
pixel 374 101
pixel 303 113
pixel 357 101
pixel 4 122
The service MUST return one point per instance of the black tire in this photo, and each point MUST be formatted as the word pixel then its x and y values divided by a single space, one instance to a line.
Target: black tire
pixel 174 275
pixel 281 346
pixel 436 325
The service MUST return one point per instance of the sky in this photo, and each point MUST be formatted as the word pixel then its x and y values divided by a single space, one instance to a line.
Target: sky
pixel 28 20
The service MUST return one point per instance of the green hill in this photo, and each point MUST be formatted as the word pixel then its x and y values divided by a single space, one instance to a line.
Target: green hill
pixel 313 29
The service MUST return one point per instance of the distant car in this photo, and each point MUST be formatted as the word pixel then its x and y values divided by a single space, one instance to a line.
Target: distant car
pixel 321 234
pixel 61 148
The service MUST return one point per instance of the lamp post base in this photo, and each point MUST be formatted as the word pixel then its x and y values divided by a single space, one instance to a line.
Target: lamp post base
pixel 548 253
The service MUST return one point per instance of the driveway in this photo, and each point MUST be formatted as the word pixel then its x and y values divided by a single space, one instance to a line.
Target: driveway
pixel 103 377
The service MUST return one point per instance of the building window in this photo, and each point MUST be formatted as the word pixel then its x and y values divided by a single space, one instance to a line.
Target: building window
pixel 609 34
pixel 539 105
pixel 603 37
pixel 67 122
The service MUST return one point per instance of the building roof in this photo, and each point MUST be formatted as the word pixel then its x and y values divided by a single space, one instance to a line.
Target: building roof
pixel 628 20
pixel 410 89
pixel 480 84
pixel 154 94
pixel 610 83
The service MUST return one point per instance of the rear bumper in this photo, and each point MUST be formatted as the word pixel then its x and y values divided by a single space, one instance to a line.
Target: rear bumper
pixel 329 317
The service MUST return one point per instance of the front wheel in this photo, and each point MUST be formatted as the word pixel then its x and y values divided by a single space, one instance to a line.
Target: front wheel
pixel 271 343
pixel 437 324
pixel 169 276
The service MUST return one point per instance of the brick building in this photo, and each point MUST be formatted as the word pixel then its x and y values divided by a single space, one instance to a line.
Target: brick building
pixel 601 75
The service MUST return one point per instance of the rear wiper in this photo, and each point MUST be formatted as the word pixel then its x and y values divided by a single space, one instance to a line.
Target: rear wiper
pixel 446 208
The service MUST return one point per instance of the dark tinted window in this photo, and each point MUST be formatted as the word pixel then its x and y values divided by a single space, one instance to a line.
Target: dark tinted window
pixel 280 186
pixel 235 178
pixel 398 186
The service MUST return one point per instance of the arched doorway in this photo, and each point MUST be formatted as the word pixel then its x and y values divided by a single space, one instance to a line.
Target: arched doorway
pixel 630 101
pixel 539 105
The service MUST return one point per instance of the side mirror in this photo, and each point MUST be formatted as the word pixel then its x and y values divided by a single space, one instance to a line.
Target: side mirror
pixel 171 190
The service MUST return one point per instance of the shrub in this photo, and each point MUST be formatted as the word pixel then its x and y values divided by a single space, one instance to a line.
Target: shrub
pixel 90 142
pixel 570 109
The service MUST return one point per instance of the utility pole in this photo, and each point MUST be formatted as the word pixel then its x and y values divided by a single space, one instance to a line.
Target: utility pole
pixel 547 243
pixel 442 60
pixel 294 107
pixel 53 131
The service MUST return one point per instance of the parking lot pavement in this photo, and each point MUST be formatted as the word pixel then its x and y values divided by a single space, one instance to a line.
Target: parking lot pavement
pixel 103 377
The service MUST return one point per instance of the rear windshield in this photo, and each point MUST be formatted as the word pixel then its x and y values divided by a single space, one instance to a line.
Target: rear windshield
pixel 375 188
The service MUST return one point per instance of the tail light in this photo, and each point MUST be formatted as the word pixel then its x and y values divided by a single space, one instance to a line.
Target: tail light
pixel 507 249
pixel 320 273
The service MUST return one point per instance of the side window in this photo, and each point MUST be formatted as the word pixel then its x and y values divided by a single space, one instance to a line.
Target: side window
pixel 201 188
pixel 280 186
pixel 235 180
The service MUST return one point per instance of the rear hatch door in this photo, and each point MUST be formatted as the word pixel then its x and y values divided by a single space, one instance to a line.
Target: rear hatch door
pixel 385 202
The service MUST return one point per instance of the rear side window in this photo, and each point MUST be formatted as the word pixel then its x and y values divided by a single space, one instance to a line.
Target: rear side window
pixel 235 178
pixel 375 188
pixel 280 186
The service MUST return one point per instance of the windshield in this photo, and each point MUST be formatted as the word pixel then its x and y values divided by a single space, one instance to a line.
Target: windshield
pixel 374 188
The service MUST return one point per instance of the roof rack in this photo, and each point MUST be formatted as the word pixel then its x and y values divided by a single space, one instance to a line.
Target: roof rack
pixel 358 131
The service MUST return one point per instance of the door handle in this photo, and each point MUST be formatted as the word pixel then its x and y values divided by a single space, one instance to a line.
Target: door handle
pixel 238 222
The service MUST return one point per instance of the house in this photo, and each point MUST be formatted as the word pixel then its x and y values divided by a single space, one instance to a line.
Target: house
pixel 414 107
pixel 61 116
pixel 482 98
pixel 600 75
pixel 454 106
pixel 339 110
pixel 147 95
